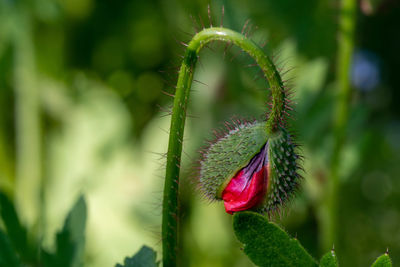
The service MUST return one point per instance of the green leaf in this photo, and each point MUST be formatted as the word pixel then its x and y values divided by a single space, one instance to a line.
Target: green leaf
pixel 71 240
pixel 8 257
pixel 268 245
pixel 329 260
pixel 145 257
pixel 383 261
pixel 17 233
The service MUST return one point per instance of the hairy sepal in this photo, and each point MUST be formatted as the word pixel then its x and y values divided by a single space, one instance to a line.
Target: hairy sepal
pixel 229 154
pixel 284 167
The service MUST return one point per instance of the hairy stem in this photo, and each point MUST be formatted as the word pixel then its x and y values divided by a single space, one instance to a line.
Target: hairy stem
pixel 171 186
pixel 347 21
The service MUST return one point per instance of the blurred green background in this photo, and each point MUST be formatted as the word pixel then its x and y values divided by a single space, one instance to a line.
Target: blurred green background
pixel 84 106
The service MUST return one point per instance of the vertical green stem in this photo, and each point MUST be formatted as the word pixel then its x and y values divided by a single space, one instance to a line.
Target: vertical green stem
pixel 171 186
pixel 347 21
pixel 7 172
pixel 27 120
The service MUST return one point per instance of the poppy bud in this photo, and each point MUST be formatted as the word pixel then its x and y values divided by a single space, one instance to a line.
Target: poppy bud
pixel 249 169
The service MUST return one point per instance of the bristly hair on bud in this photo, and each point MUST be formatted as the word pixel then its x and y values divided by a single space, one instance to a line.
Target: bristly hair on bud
pixel 250 169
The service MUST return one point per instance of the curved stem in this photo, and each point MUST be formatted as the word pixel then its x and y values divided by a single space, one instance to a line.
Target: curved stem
pixel 171 186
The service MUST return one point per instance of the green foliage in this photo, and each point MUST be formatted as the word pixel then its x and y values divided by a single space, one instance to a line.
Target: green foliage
pixel 7 253
pixel 383 261
pixel 145 257
pixel 71 240
pixel 329 260
pixel 268 245
pixel 69 244
pixel 16 232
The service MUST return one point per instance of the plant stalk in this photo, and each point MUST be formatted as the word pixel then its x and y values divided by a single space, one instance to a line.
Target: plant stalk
pixel 347 23
pixel 27 121
pixel 171 186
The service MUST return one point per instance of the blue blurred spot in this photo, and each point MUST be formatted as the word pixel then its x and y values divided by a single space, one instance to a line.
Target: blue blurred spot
pixel 366 71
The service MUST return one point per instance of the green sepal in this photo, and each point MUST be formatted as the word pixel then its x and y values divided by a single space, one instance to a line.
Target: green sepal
pixel 228 155
pixel 284 178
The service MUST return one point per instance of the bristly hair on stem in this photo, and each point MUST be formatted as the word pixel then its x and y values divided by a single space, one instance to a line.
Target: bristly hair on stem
pixel 276 119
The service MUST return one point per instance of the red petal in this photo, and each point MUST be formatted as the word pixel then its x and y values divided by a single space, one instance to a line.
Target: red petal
pixel 243 193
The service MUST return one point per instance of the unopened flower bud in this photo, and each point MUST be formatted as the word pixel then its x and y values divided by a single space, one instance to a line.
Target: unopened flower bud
pixel 249 169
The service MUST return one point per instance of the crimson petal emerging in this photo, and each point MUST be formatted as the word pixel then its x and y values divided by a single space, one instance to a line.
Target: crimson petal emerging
pixel 247 189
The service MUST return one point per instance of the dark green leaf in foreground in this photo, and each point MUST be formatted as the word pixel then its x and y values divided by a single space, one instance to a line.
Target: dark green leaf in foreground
pixel 8 258
pixel 145 257
pixel 383 261
pixel 16 233
pixel 329 260
pixel 268 245
pixel 71 240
